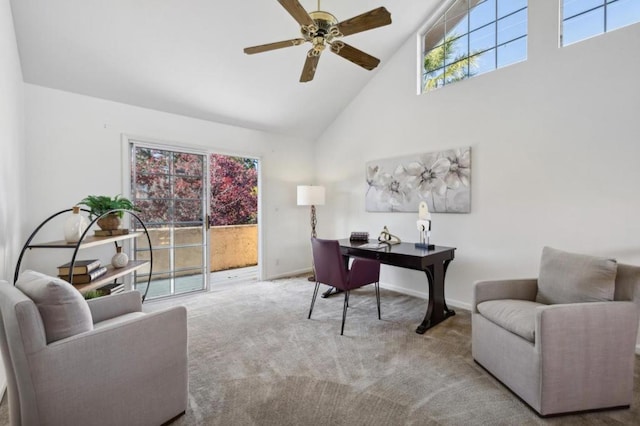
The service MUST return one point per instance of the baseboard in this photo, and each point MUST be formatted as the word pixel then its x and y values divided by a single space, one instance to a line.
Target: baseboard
pixel 289 274
pixel 424 295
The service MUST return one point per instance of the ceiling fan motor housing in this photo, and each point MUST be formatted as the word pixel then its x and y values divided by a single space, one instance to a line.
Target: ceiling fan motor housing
pixel 325 27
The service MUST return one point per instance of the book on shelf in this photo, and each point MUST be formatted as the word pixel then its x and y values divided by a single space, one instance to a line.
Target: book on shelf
pixel 111 289
pixel 80 267
pixel 86 278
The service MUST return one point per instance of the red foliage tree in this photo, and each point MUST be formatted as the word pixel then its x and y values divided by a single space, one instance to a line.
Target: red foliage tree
pixel 234 190
pixel 168 187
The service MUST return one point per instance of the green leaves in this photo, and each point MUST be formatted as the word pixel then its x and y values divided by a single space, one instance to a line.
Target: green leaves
pixel 101 204
pixel 459 68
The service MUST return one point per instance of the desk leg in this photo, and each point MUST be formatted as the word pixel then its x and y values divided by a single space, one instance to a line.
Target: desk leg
pixel 437 310
pixel 448 312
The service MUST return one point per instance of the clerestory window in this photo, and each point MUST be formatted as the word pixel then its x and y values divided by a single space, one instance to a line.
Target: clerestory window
pixel 473 37
pixel 582 19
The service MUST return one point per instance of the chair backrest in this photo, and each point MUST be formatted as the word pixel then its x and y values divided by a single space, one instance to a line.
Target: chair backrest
pixel 21 333
pixel 328 263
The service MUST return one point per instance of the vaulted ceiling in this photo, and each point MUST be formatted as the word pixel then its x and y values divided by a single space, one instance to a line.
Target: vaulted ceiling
pixel 186 56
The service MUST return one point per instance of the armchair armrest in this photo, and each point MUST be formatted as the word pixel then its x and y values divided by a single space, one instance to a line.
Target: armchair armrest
pixel 586 350
pixel 605 325
pixel 520 289
pixel 363 271
pixel 107 307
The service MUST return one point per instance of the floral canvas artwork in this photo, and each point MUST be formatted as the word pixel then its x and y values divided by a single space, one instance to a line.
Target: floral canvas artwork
pixel 442 179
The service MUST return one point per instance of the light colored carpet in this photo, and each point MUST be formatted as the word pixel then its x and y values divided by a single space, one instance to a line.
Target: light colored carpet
pixel 255 359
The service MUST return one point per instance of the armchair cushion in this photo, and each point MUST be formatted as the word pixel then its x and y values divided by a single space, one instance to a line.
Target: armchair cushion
pixel 63 310
pixel 574 278
pixel 517 316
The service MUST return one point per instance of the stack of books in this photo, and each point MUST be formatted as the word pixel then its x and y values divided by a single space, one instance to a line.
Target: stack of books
pixel 84 271
pixel 111 289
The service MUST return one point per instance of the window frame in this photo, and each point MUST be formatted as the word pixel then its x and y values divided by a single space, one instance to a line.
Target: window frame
pixel 603 6
pixel 438 17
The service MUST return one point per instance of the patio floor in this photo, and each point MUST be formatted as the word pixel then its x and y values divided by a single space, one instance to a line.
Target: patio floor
pixel 187 284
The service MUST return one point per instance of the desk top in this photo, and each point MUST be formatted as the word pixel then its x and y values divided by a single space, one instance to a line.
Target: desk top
pixel 406 249
pixel 405 255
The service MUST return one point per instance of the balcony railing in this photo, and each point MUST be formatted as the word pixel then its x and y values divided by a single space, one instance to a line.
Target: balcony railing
pixel 233 246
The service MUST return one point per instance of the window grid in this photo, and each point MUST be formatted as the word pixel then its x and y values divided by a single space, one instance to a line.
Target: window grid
pixel 449 24
pixel 606 25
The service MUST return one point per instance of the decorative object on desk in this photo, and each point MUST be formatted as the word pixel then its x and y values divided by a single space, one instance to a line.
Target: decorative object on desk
pixel 85 278
pixel 311 195
pixel 359 236
pixel 120 259
pixel 99 205
pixel 424 226
pixel 74 226
pixel 441 179
pixel 79 267
pixel 387 237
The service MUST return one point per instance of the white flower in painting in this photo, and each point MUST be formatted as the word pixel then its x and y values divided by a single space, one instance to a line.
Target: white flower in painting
pixel 459 168
pixel 373 176
pixel 427 176
pixel 393 189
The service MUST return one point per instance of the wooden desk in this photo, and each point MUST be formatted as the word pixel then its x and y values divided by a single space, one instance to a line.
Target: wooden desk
pixel 433 262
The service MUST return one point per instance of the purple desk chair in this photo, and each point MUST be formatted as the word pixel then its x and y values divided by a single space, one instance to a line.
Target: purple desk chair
pixel 330 269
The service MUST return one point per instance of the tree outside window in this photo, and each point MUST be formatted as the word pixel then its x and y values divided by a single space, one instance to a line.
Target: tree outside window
pixel 234 190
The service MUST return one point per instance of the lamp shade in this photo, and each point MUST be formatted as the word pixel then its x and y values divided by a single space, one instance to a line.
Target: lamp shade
pixel 310 195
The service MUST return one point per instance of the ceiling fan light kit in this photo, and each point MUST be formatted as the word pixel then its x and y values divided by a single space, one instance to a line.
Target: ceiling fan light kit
pixel 322 29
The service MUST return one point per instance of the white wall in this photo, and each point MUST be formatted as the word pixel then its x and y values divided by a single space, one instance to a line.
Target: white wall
pixel 12 151
pixel 555 151
pixel 74 149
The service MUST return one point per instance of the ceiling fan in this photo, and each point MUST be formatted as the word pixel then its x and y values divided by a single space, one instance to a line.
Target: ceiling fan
pixel 323 30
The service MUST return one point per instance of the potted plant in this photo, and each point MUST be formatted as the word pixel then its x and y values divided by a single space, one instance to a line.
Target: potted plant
pixel 100 204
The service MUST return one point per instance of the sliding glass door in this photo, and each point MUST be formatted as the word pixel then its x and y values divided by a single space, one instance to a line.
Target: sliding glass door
pixel 169 187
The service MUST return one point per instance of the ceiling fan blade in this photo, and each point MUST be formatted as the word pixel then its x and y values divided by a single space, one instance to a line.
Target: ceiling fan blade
pixel 372 19
pixel 354 55
pixel 310 66
pixel 298 12
pixel 272 46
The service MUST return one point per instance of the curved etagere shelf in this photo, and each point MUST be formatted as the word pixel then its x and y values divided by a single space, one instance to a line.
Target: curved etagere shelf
pixel 87 241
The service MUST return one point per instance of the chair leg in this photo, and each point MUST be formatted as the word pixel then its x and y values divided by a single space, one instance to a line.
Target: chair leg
pixel 313 299
pixel 378 297
pixel 344 310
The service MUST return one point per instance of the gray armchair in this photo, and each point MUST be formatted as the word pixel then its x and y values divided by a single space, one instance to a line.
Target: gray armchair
pixel 126 367
pixel 564 342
